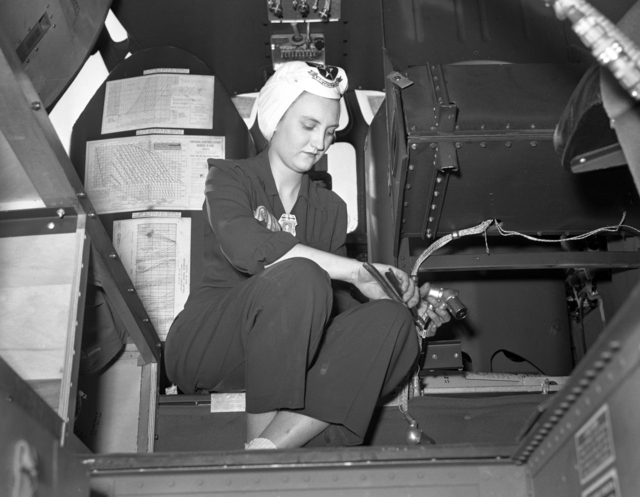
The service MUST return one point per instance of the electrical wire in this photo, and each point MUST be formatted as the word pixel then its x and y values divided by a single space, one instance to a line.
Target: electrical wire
pixel 509 352
pixel 606 229
pixel 482 229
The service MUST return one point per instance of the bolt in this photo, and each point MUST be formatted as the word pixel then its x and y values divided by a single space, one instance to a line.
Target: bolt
pixel 113 256
pixel 411 167
pixel 435 194
pixel 438 180
pixel 130 290
pixel 414 146
pixel 145 320
pixel 433 145
pixel 433 207
pixel 533 125
pixel 483 144
pixel 434 357
pixel 458 145
pixel 431 219
pixel 408 186
pixel 534 143
pixel 81 194
pixel 60 213
pixel 36 105
pixel 508 144
pixel 51 226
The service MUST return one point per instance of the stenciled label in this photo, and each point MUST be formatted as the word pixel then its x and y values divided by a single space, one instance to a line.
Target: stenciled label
pixel 594 445
pixel 606 486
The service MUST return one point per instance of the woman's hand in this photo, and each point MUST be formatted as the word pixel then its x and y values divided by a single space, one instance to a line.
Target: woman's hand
pixel 372 290
pixel 432 308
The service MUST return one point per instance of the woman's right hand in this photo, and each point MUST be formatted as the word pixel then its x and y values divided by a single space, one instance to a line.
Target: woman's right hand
pixel 372 290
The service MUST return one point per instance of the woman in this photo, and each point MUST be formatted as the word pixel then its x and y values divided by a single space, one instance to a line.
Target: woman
pixel 272 314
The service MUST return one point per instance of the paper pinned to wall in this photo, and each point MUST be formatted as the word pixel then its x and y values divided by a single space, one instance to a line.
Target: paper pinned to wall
pixel 155 252
pixel 158 101
pixel 149 172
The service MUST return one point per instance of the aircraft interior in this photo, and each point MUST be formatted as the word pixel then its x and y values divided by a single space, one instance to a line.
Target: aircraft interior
pixel 488 147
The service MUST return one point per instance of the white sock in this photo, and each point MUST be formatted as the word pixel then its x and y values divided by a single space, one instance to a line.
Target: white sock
pixel 260 443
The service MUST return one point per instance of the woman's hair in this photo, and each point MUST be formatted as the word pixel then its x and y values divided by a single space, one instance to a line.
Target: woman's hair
pixel 289 82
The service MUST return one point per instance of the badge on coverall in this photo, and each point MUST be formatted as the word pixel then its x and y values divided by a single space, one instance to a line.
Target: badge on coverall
pixel 288 223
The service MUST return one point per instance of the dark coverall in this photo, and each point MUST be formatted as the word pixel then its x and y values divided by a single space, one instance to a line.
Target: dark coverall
pixel 284 333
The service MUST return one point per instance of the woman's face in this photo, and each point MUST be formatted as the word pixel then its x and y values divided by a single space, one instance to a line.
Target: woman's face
pixel 305 131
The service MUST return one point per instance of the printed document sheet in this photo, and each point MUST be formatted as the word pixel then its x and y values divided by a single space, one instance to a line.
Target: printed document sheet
pixel 149 172
pixel 155 252
pixel 158 101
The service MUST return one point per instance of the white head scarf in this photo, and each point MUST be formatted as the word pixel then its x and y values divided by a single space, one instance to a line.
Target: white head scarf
pixel 288 83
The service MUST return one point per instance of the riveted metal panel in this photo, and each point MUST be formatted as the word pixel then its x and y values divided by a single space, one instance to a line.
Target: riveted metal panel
pixel 368 478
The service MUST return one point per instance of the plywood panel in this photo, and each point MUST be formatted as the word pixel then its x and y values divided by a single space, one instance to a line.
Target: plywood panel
pixel 108 419
pixel 35 298
pixel 16 189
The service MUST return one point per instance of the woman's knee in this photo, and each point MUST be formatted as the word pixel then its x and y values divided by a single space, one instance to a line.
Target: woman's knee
pixel 301 277
pixel 391 312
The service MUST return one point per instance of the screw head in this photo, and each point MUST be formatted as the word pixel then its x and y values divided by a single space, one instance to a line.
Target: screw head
pixel 36 105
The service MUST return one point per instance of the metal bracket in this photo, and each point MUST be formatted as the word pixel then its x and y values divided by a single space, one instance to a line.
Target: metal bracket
pixel 444 354
pixel 445 110
pixel 445 158
pixel 399 80
pixel 434 207
pixel 602 158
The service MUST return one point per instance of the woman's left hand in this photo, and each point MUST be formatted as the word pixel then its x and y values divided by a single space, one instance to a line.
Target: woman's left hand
pixel 433 309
